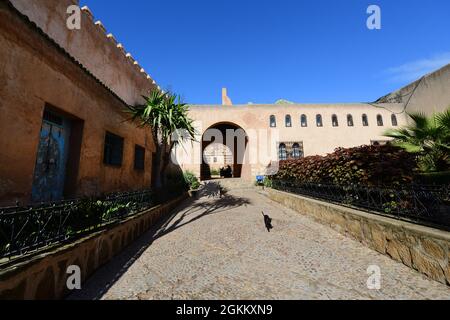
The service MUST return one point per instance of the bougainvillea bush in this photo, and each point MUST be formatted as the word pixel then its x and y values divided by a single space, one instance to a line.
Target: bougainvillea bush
pixel 365 165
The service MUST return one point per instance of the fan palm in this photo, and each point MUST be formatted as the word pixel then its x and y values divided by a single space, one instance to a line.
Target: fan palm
pixel 429 137
pixel 167 117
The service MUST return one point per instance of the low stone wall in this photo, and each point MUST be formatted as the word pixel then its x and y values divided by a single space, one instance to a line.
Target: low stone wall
pixel 424 249
pixel 44 275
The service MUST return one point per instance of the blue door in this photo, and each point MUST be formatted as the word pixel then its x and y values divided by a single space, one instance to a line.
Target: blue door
pixel 50 169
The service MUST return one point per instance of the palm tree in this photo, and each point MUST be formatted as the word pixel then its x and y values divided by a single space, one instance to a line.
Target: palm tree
pixel 429 137
pixel 167 117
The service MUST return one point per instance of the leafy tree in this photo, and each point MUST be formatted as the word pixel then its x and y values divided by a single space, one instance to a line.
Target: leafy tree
pixel 429 138
pixel 167 117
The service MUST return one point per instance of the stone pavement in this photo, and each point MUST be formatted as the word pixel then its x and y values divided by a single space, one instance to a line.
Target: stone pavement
pixel 212 248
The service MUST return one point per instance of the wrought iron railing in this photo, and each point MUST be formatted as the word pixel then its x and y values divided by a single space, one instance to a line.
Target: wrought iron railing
pixel 429 205
pixel 30 228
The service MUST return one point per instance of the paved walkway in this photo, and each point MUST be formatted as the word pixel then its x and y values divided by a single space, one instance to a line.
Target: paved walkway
pixel 214 248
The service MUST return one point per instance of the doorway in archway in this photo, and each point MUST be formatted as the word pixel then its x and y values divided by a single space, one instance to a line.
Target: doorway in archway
pixel 223 147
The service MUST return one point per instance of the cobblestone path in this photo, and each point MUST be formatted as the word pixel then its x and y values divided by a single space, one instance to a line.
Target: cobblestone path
pixel 213 248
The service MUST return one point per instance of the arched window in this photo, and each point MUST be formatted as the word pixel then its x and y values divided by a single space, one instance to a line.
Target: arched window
pixel 319 120
pixel 273 121
pixel 350 120
pixel 304 121
pixel 296 151
pixel 394 120
pixel 365 120
pixel 380 120
pixel 288 121
pixel 334 120
pixel 282 154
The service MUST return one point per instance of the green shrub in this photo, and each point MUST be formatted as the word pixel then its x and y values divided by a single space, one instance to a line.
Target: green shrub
pixel 267 182
pixel 191 180
pixel 215 172
pixel 175 184
pixel 436 178
pixel 365 165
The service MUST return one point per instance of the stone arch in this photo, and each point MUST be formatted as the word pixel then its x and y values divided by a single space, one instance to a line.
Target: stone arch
pixel 220 133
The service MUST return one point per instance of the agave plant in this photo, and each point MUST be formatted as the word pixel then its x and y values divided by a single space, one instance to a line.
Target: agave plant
pixel 429 137
pixel 167 117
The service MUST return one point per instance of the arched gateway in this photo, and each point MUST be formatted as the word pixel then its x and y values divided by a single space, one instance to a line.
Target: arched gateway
pixel 224 144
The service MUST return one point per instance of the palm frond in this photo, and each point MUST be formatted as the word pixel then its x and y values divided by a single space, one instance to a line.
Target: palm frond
pixel 443 119
pixel 428 136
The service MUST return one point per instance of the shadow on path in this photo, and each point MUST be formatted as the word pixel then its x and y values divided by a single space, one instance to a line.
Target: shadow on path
pixel 212 199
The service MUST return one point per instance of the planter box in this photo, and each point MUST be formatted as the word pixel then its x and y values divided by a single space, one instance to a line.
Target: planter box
pixel 43 275
pixel 424 249
pixel 193 193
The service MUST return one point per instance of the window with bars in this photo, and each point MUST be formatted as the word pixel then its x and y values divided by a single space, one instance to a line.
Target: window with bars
pixel 297 152
pixel 282 152
pixel 290 150
pixel 53 118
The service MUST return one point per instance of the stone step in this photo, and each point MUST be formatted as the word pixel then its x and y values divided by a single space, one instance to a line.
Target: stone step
pixel 233 183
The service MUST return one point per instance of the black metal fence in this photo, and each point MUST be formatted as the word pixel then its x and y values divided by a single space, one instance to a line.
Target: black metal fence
pixel 429 205
pixel 25 229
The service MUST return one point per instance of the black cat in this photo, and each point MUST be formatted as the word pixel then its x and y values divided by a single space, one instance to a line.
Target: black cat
pixel 268 222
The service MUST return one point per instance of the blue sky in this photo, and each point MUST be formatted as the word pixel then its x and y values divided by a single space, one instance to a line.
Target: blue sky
pixel 307 51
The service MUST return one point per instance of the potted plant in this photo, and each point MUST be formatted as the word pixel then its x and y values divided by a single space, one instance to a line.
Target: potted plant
pixel 193 183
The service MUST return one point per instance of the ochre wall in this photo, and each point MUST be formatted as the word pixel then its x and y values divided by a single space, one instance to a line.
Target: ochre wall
pixel 90 46
pixel 33 73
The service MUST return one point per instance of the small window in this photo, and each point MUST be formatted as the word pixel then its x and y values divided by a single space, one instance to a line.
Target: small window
pixel 334 120
pixel 304 121
pixel 350 120
pixel 365 120
pixel 380 120
pixel 273 122
pixel 296 151
pixel 139 158
pixel 394 120
pixel 282 152
pixel 288 121
pixel 319 120
pixel 113 152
